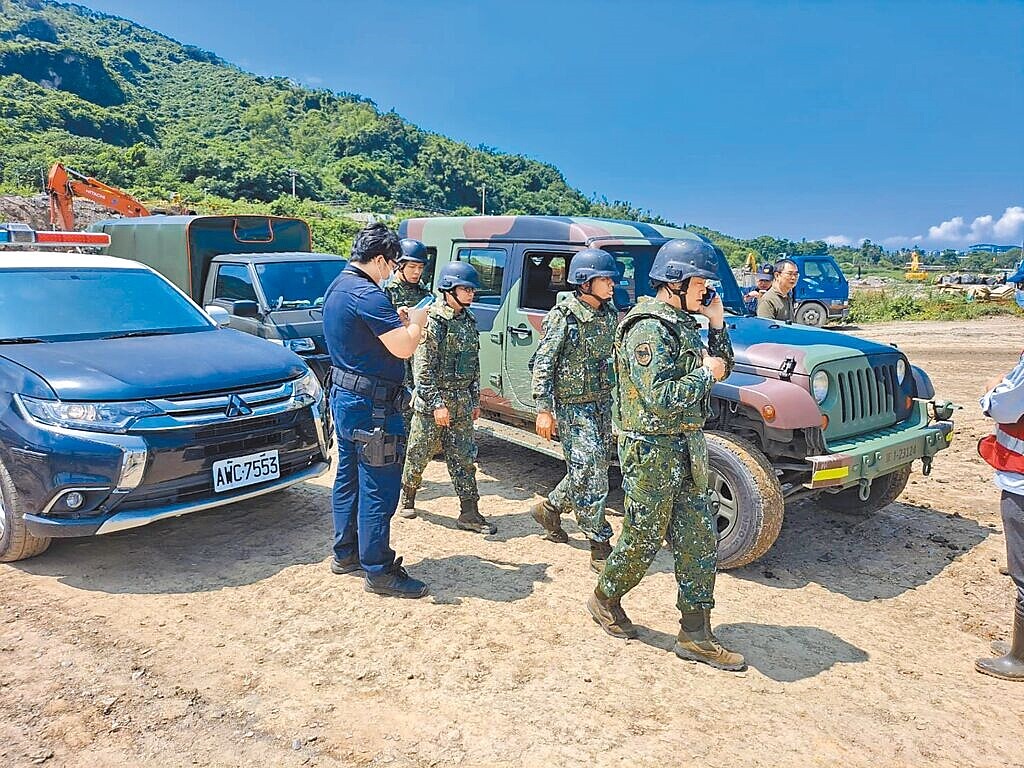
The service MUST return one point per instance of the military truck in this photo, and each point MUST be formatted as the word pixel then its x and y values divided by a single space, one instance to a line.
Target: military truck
pixel 805 414
pixel 253 273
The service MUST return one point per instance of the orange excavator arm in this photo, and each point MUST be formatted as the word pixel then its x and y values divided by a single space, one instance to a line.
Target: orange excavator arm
pixel 64 185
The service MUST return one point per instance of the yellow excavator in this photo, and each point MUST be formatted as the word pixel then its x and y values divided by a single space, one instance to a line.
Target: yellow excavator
pixel 915 273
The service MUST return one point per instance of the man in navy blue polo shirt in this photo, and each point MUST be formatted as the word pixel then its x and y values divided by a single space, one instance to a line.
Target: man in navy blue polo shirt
pixel 368 340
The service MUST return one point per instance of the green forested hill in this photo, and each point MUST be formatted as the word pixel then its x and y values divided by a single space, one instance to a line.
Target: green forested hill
pixel 136 109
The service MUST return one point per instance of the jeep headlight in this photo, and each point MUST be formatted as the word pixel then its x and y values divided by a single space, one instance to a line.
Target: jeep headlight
pixel 300 345
pixel 95 417
pixel 306 389
pixel 819 386
pixel 901 371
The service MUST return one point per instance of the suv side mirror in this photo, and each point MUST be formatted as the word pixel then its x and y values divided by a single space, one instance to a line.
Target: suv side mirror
pixel 219 315
pixel 245 308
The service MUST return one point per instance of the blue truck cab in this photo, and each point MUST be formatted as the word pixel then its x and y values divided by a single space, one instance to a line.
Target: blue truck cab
pixel 123 403
pixel 822 292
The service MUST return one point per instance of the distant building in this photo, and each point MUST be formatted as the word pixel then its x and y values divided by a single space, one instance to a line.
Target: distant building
pixel 990 248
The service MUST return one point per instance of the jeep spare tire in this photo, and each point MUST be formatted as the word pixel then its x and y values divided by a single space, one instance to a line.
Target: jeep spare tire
pixel 746 498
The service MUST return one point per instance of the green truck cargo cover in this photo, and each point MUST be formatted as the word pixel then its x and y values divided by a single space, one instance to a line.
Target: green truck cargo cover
pixel 182 247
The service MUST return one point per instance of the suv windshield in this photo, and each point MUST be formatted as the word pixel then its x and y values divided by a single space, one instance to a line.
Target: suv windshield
pixel 73 304
pixel 297 284
pixel 635 264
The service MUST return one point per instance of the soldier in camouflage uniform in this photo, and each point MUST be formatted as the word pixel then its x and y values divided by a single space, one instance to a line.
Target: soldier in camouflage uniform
pixel 447 398
pixel 572 378
pixel 406 290
pixel 664 378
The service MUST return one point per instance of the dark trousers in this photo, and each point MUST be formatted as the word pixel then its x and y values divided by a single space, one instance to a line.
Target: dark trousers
pixel 365 498
pixel 1011 505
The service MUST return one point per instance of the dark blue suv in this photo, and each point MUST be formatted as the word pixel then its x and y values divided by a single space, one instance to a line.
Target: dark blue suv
pixel 122 403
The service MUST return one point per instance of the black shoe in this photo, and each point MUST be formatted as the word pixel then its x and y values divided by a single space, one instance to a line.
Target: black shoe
pixel 395 582
pixel 349 565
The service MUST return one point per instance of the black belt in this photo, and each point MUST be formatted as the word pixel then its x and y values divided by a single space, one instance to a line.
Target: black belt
pixel 365 386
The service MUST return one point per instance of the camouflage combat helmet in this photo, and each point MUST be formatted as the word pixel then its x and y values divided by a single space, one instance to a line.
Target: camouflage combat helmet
pixel 680 259
pixel 413 251
pixel 590 263
pixel 458 273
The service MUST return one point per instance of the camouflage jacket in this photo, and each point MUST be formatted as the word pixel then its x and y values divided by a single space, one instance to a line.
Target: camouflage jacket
pixel 403 294
pixel 663 388
pixel 573 361
pixel 447 361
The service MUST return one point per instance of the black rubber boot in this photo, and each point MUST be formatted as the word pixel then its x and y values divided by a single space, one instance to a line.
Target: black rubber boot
pixel 395 582
pixel 1010 666
pixel 608 613
pixel 470 518
pixel 599 551
pixel 696 642
pixel 408 506
pixel 548 517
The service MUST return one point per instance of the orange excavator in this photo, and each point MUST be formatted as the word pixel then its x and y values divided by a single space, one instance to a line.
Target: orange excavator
pixel 64 185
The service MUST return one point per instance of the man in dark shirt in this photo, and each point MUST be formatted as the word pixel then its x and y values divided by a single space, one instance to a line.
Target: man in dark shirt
pixel 777 302
pixel 367 341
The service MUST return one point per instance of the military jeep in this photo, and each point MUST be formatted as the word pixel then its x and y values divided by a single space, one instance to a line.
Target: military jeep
pixel 806 413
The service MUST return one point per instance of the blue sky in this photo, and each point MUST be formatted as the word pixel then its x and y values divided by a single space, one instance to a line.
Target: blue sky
pixel 900 121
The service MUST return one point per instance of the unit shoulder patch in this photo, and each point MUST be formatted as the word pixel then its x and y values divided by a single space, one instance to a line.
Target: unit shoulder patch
pixel 643 354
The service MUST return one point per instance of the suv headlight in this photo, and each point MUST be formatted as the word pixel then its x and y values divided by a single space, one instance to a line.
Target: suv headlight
pixel 901 370
pixel 300 345
pixel 95 417
pixel 819 386
pixel 307 389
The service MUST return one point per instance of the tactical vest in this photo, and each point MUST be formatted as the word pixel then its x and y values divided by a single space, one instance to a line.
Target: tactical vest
pixel 584 368
pixel 458 353
pixel 686 355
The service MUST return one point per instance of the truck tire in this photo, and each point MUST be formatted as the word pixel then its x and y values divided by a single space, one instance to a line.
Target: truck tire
pixel 748 499
pixel 884 491
pixel 813 314
pixel 16 543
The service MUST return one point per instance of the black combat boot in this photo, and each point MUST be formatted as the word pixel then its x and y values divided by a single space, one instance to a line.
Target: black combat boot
pixel 395 582
pixel 599 551
pixel 696 642
pixel 470 518
pixel 1010 666
pixel 547 515
pixel 608 613
pixel 408 507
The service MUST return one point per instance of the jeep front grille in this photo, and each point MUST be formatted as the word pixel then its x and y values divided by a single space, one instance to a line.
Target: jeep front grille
pixel 866 396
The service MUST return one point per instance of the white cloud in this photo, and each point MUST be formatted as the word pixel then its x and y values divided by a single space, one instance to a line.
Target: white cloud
pixel 843 240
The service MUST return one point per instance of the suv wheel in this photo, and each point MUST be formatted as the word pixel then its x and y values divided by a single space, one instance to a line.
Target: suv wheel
pixel 16 543
pixel 747 498
pixel 812 313
pixel 884 491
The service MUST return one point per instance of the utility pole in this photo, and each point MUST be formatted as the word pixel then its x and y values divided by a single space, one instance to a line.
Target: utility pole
pixel 293 173
pixel 483 200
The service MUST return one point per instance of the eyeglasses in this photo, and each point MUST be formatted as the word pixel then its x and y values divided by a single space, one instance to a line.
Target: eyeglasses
pixel 790 273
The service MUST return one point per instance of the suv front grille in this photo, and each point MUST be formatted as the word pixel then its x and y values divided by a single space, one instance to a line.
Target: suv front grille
pixel 866 396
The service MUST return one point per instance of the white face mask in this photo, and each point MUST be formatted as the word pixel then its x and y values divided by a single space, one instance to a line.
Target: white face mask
pixel 381 279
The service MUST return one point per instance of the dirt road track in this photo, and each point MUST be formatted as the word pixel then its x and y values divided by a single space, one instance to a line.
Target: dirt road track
pixel 222 639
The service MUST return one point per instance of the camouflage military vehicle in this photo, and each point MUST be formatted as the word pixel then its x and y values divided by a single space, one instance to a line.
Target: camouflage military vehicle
pixel 806 413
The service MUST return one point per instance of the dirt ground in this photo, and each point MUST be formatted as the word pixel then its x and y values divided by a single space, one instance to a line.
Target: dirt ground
pixel 222 639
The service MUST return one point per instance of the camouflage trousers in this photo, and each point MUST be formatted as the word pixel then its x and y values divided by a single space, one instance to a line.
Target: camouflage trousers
pixel 585 430
pixel 664 503
pixel 425 438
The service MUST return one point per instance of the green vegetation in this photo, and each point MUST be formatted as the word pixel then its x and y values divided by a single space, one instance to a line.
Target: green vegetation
pixel 887 305
pixel 138 110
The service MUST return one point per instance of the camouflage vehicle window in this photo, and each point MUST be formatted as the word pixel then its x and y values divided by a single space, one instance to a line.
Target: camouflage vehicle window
pixel 544 278
pixel 234 283
pixel 428 271
pixel 490 266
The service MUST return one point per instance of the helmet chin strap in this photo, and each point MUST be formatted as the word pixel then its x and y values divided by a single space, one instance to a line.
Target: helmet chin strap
pixel 583 290
pixel 455 298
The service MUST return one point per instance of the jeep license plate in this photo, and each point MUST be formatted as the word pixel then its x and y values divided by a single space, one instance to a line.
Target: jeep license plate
pixel 229 474
pixel 900 455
